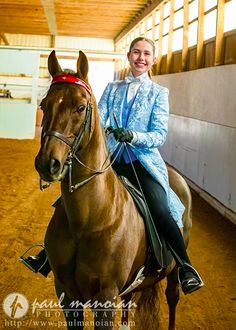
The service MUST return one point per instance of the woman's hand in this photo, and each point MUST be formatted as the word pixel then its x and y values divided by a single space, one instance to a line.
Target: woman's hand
pixel 122 134
pixel 108 130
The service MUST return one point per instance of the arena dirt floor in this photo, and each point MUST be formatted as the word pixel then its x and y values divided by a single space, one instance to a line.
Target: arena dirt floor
pixel 24 215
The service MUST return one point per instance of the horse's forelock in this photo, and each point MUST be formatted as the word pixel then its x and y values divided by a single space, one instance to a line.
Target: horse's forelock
pixel 69 71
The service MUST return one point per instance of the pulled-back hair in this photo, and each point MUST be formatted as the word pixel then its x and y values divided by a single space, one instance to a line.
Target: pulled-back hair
pixel 142 39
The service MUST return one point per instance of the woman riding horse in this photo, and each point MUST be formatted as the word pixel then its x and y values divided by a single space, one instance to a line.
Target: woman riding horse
pixel 135 112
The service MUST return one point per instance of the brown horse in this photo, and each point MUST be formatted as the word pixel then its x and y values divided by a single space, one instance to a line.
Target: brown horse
pixel 96 238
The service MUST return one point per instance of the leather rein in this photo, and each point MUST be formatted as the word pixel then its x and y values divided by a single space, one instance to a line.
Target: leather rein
pixel 74 145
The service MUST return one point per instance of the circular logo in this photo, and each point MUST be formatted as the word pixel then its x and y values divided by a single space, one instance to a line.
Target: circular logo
pixel 15 305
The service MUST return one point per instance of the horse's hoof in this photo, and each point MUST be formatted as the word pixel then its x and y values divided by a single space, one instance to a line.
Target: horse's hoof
pixel 124 327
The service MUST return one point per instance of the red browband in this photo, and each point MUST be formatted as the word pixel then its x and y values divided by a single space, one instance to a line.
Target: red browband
pixel 68 78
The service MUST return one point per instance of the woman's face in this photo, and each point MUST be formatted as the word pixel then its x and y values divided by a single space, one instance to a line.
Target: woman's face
pixel 141 57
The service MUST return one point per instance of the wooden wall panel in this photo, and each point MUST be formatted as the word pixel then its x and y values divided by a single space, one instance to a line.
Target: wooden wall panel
pixel 208 54
pixel 176 64
pixel 191 59
pixel 230 48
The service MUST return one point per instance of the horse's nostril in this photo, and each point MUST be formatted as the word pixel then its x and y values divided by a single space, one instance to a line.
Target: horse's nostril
pixel 54 166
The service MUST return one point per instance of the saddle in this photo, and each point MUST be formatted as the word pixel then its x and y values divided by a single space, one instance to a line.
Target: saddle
pixel 159 255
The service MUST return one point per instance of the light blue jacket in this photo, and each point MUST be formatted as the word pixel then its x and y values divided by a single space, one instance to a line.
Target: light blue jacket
pixel 148 120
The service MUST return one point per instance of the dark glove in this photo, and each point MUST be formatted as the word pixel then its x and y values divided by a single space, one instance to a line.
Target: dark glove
pixel 108 130
pixel 123 134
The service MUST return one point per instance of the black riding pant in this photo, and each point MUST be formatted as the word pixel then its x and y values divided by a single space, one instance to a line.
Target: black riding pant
pixel 157 202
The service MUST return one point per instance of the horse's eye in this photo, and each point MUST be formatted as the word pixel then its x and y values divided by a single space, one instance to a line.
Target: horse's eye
pixel 81 108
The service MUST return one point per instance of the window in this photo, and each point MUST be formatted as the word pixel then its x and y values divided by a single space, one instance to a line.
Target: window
pixel 166 25
pixel 165 45
pixel 192 34
pixel 132 36
pixel 178 39
pixel 142 29
pixel 193 10
pixel 149 22
pixel 179 18
pixel 157 29
pixel 149 34
pixel 210 4
pixel 157 17
pixel 230 14
pixel 210 25
pixel 178 4
pixel 166 9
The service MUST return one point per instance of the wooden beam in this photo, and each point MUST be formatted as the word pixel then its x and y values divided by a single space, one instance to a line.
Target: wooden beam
pixel 200 34
pixel 159 56
pixel 170 37
pixel 153 25
pixel 137 19
pixel 185 36
pixel 49 10
pixel 219 32
pixel 4 39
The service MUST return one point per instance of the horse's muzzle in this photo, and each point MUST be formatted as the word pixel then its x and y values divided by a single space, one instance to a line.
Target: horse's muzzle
pixel 50 169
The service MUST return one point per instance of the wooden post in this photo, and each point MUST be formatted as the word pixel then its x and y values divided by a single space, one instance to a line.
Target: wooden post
pixel 170 38
pixel 185 36
pixel 159 57
pixel 200 34
pixel 219 32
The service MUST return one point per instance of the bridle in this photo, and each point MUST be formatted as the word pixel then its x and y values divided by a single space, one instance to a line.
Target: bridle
pixel 74 145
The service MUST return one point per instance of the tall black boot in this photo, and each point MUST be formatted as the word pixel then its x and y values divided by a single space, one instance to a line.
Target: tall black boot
pixel 189 278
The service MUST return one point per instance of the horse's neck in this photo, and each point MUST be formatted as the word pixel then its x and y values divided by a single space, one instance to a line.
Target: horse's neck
pixel 95 153
pixel 95 196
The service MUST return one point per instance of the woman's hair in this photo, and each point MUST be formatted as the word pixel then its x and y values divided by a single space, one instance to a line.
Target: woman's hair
pixel 142 39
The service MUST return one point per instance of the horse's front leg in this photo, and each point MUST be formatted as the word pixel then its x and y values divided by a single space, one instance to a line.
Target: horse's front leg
pixel 74 317
pixel 104 309
pixel 126 300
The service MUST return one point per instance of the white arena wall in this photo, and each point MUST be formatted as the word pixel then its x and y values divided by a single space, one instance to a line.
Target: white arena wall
pixel 28 84
pixel 202 132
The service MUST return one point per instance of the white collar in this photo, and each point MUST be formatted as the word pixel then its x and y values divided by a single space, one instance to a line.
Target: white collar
pixel 131 79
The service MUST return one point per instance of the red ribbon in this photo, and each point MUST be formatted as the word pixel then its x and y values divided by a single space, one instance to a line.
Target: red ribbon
pixel 68 78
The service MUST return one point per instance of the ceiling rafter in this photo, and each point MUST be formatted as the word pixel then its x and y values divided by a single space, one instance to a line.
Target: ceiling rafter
pixel 49 10
pixel 83 18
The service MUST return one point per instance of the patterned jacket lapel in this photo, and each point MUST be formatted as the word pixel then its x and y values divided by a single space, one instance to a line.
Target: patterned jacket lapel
pixel 119 98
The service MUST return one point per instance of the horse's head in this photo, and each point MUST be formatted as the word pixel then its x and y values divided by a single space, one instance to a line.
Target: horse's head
pixel 67 122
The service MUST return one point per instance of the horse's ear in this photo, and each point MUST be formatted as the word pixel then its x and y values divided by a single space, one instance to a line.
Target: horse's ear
pixel 82 66
pixel 53 65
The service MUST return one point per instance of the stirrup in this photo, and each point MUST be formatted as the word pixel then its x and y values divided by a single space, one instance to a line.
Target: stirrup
pixel 191 268
pixel 23 258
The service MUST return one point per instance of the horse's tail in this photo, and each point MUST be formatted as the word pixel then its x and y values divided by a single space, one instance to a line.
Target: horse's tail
pixel 146 314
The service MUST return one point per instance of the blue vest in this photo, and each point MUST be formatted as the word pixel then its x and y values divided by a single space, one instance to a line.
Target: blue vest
pixel 123 155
